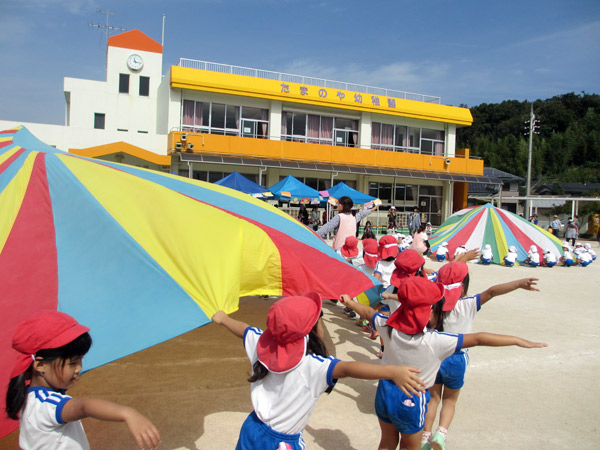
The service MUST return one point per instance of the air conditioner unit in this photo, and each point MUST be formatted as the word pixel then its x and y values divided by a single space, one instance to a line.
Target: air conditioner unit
pixel 178 146
pixel 183 138
pixel 189 147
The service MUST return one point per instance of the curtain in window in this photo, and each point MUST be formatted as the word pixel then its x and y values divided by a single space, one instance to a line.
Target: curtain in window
pixel 438 148
pixel 387 134
pixel 284 129
pixel 198 120
pixel 188 112
pixel 314 123
pixel 375 135
pixel 354 139
pixel 327 128
pixel 264 126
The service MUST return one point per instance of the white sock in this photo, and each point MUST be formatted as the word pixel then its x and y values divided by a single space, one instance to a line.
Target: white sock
pixel 443 431
pixel 426 437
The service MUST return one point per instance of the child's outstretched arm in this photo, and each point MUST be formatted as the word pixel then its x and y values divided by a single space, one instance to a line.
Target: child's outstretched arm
pixel 498 340
pixel 236 327
pixel 364 311
pixel 528 284
pixel 143 430
pixel 405 377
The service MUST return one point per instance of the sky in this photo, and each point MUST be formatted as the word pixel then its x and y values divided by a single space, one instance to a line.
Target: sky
pixel 467 52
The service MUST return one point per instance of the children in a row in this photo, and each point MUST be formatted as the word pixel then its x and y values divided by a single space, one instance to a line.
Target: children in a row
pixel 410 335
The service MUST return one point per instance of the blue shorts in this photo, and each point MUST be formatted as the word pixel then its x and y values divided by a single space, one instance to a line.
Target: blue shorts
pixel 405 413
pixel 568 262
pixel 551 264
pixel 533 264
pixel 486 261
pixel 586 263
pixel 508 263
pixel 441 258
pixel 452 371
pixel 256 435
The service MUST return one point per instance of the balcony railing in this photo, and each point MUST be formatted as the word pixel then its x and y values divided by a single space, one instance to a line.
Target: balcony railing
pixel 300 79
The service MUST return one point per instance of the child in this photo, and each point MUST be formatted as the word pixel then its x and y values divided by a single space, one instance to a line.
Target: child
pixel 566 259
pixel 589 249
pixel 404 242
pixel 511 257
pixel 428 229
pixel 349 251
pixel 459 251
pixel 370 256
pixel 400 418
pixel 51 345
pixel 533 257
pixel 584 258
pixel 549 258
pixel 486 255
pixel 291 370
pixel 442 252
pixel 458 317
pixel 388 251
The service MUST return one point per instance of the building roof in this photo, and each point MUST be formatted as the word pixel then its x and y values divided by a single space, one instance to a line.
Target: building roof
pixel 504 176
pixel 122 147
pixel 135 40
pixel 569 188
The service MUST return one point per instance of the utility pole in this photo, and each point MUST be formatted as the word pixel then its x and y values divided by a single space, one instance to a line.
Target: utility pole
pixel 532 129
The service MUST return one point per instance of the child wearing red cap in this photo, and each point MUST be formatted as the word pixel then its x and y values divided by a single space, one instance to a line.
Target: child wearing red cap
pixel 51 346
pixel 388 251
pixel 458 316
pixel 408 340
pixel 291 370
pixel 349 251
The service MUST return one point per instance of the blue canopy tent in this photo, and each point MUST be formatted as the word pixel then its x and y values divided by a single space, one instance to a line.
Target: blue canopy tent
pixel 292 190
pixel 342 189
pixel 240 183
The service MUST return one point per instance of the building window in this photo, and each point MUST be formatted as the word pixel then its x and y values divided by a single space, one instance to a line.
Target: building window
pixel 123 83
pixel 99 121
pixel 301 127
pixel 231 120
pixel 400 138
pixel 144 86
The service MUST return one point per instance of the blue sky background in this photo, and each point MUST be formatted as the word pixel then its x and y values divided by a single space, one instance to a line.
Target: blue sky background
pixel 466 52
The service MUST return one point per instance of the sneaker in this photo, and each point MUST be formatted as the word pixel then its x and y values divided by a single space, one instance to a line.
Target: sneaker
pixel 362 322
pixel 438 442
pixel 425 446
pixel 375 335
pixel 347 310
pixel 367 328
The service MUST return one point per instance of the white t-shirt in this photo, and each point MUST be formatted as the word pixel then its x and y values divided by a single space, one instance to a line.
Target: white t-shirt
pixel 385 269
pixel 486 253
pixel 355 261
pixel 534 257
pixel 549 258
pixel 285 401
pixel 42 425
pixel 584 257
pixel 460 319
pixel 442 251
pixel 567 255
pixel 425 350
pixel 511 257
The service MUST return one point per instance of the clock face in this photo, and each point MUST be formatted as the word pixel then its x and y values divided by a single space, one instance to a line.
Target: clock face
pixel 135 62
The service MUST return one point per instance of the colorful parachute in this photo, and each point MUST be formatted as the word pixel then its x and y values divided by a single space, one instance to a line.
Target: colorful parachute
pixel 140 256
pixel 477 226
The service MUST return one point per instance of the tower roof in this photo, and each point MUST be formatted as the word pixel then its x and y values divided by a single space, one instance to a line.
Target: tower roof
pixel 135 40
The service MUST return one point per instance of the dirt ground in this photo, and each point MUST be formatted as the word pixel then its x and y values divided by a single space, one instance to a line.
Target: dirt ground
pixel 195 391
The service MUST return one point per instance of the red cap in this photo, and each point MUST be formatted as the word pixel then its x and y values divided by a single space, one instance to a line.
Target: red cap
pixel 407 264
pixel 44 330
pixel 282 345
pixel 388 246
pixel 370 255
pixel 451 275
pixel 350 247
pixel 416 296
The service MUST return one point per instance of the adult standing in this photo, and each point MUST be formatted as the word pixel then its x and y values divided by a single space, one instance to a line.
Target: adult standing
pixel 556 225
pixel 392 219
pixel 344 223
pixel 414 221
pixel 315 218
pixel 303 214
pixel 572 232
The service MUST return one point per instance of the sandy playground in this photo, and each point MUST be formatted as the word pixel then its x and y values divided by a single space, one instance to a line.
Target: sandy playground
pixel 195 391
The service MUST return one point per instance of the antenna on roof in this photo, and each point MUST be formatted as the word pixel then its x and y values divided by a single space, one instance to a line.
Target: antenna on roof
pixel 106 27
